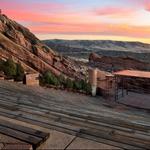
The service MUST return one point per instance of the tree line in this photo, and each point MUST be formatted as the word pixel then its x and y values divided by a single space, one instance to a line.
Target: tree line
pixel 65 82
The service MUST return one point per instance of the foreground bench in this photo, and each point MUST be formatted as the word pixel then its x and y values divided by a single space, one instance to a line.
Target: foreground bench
pixel 30 136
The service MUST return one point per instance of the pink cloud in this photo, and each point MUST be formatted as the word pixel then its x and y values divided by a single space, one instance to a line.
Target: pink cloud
pixel 41 18
pixel 114 11
pixel 34 6
pixel 147 6
pixel 65 22
pixel 94 29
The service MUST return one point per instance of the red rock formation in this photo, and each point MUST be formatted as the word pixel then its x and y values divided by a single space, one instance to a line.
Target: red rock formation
pixel 117 63
pixel 20 44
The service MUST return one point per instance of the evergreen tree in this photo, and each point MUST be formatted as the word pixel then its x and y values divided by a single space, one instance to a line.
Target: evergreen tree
pixel 10 68
pixel 49 78
pixel 19 72
pixel 69 83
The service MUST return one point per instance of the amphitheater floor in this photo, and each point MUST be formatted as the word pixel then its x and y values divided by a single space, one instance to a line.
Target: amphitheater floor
pixel 74 121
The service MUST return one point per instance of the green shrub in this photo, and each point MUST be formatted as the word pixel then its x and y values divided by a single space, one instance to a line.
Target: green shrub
pixel 77 85
pixel 1 65
pixel 69 83
pixel 49 78
pixel 62 80
pixel 85 86
pixel 19 72
pixel 9 68
pixel 82 85
pixel 88 88
pixel 56 82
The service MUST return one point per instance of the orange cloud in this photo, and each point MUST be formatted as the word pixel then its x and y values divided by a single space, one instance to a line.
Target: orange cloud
pixel 94 29
pixel 60 17
pixel 43 19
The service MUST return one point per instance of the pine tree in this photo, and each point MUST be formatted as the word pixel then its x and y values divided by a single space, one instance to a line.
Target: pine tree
pixel 10 68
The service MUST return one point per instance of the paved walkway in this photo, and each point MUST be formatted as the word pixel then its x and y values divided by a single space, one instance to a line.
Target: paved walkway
pixel 136 100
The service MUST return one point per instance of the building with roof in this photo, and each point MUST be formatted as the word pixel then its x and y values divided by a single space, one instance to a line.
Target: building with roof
pixel 123 86
pixel 131 80
pixel 101 82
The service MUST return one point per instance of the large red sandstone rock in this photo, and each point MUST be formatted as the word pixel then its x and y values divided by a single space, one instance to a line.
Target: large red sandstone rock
pixel 117 63
pixel 20 44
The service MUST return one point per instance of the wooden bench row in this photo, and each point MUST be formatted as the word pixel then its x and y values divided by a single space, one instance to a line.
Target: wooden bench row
pixel 25 134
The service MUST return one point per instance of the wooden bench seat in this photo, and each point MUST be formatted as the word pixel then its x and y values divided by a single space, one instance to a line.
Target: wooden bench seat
pixel 25 134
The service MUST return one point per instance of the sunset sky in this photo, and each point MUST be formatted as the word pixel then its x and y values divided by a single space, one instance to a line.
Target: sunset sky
pixel 127 20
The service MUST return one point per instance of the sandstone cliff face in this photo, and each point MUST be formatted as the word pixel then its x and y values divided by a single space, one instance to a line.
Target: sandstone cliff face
pixel 117 63
pixel 19 43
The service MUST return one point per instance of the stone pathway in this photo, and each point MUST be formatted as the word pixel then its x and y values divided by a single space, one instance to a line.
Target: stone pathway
pixel 136 100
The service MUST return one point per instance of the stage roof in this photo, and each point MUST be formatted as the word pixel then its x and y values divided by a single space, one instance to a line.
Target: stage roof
pixel 133 73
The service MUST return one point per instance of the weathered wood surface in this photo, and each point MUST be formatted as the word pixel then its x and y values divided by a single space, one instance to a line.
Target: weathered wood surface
pixel 23 129
pixel 27 135
pixel 123 128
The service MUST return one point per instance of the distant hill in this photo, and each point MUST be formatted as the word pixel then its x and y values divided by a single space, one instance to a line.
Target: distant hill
pixel 82 48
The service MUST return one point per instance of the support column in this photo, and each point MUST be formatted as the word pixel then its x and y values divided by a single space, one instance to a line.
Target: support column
pixel 122 79
pixel 127 90
pixel 116 87
pixel 94 90
pixel 93 80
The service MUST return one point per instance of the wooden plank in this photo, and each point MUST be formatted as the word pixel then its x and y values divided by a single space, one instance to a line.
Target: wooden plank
pixel 41 124
pixel 86 121
pixel 107 129
pixel 108 120
pixel 37 118
pixel 46 108
pixel 30 139
pixel 49 125
pixel 53 123
pixel 117 124
pixel 69 118
pixel 109 142
pixel 126 146
pixel 118 138
pixel 23 129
